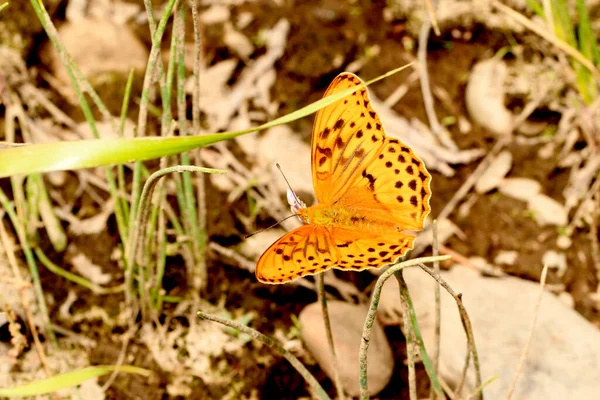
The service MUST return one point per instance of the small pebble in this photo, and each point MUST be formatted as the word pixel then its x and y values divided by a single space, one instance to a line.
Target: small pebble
pixel 485 97
pixel 505 257
pixel 520 188
pixel 567 299
pixel 347 321
pixel 547 211
pixel 495 173
pixel 564 242
pixel 555 260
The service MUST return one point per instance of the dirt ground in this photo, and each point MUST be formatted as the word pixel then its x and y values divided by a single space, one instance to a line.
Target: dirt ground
pixel 494 223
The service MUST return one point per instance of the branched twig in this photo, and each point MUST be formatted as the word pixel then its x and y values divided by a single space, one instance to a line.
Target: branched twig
pixel 464 317
pixel 310 379
pixel 323 300
pixel 470 182
pixel 370 320
pixel 536 312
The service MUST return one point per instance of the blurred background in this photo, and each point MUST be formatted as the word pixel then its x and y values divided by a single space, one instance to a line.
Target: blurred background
pixel 500 101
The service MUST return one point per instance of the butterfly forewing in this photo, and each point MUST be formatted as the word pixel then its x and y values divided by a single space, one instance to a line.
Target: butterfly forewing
pixel 357 167
pixel 347 136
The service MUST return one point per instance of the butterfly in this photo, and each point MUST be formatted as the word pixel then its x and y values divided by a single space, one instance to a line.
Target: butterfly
pixel 370 189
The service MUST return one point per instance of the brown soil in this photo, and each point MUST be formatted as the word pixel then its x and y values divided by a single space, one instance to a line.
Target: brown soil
pixel 320 30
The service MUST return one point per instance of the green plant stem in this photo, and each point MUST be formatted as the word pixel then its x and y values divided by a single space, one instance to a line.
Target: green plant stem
pixel 409 333
pixel 97 289
pixel 121 167
pixel 153 59
pixel 416 337
pixel 323 300
pixel 139 225
pixel 197 226
pixel 308 377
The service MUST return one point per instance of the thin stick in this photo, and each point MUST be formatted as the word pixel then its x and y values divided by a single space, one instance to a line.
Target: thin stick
pixel 470 182
pixel 121 358
pixel 436 128
pixel 431 14
pixel 33 269
pixel 370 320
pixel 466 321
pixel 536 313
pixel 438 308
pixel 310 379
pixel 463 375
pixel 323 300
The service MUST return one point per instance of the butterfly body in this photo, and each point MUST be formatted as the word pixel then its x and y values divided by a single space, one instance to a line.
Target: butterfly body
pixel 329 216
pixel 370 189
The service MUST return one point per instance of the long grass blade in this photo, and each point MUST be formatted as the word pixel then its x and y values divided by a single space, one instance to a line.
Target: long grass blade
pixel 45 157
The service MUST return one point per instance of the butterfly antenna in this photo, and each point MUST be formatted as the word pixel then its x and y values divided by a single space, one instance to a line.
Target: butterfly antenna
pixel 288 183
pixel 269 227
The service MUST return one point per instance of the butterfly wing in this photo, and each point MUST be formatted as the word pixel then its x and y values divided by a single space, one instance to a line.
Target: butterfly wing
pixel 356 167
pixel 306 250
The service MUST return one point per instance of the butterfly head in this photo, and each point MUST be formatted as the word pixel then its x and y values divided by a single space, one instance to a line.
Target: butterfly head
pixel 295 204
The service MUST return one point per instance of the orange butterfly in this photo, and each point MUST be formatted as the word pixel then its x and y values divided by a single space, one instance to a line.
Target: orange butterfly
pixel 369 188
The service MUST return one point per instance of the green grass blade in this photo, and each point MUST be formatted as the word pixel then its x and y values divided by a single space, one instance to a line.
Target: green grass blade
pixel 66 380
pixel 44 157
pixel 589 48
pixel 563 25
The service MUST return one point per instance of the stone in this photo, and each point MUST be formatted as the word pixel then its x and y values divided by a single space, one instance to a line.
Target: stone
pixel 547 211
pixel 506 257
pixel 495 173
pixel 520 188
pixel 563 358
pixel 555 260
pixel 347 321
pixel 484 97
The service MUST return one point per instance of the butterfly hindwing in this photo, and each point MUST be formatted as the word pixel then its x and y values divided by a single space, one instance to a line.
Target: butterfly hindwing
pixel 306 250
pixel 360 250
pixel 394 186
